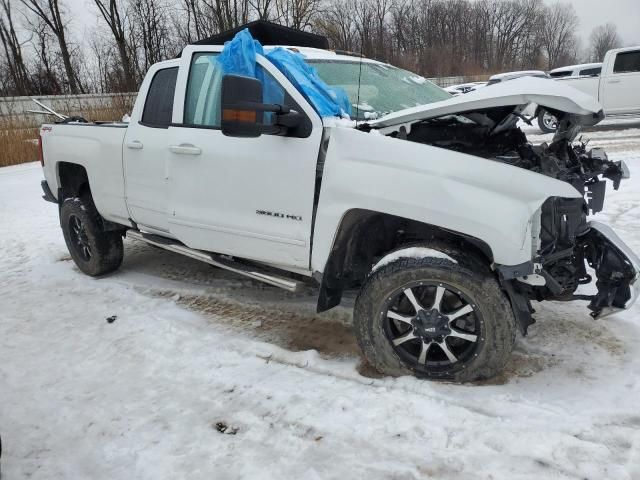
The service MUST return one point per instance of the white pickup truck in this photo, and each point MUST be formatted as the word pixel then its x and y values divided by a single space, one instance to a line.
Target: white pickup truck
pixel 437 209
pixel 616 87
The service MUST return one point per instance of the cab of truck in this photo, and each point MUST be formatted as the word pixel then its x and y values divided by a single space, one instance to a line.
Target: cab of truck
pixel 619 86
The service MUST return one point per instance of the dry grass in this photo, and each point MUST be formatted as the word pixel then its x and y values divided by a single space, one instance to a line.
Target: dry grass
pixel 18 144
pixel 18 137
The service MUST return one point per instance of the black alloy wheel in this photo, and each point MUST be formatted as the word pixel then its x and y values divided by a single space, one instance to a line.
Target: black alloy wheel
pixel 432 325
pixel 79 238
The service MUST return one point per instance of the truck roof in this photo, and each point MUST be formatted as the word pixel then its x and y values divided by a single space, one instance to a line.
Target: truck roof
pixel 321 54
pixel 576 67
pixel 625 49
pixel 310 53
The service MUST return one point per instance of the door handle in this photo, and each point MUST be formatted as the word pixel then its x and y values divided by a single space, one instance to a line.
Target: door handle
pixel 135 145
pixel 614 81
pixel 185 149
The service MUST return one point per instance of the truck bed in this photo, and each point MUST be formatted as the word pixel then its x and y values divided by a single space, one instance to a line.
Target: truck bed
pixel 98 148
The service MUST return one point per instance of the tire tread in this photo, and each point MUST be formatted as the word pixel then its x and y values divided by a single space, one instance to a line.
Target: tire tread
pixel 107 247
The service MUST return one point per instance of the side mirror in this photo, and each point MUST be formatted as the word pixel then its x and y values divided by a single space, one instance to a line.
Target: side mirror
pixel 242 108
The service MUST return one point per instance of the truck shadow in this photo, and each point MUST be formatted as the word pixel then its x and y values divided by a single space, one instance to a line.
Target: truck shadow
pixel 292 330
pixel 564 336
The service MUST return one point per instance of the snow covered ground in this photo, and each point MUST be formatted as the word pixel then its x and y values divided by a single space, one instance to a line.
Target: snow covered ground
pixel 194 349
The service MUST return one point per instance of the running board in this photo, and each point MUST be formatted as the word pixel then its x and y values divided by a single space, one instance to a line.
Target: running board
pixel 217 261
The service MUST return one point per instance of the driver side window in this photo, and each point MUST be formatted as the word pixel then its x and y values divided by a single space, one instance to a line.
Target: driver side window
pixel 204 91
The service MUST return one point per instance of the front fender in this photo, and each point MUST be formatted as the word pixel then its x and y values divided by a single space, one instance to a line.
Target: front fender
pixel 481 198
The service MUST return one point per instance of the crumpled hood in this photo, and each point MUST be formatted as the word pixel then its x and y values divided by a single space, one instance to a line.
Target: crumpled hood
pixel 522 91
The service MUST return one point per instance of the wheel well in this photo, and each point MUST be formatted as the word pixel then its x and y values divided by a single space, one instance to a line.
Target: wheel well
pixel 557 113
pixel 365 235
pixel 74 181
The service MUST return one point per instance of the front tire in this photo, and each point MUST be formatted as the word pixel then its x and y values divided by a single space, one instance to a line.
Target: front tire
pixel 435 319
pixel 547 122
pixel 93 250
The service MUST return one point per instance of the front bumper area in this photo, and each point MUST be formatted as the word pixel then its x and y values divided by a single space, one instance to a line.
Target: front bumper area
pixel 616 266
pixel 617 269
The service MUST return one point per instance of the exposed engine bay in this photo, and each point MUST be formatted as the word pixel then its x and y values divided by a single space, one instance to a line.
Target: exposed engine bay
pixel 567 242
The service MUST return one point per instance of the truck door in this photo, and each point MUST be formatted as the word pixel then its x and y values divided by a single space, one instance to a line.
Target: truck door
pixel 246 197
pixel 146 155
pixel 621 85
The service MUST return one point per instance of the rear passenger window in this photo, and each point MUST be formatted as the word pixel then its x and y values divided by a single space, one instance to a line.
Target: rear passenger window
pixel 627 62
pixel 158 106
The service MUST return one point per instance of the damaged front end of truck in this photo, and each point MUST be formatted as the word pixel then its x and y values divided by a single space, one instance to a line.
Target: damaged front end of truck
pixel 568 250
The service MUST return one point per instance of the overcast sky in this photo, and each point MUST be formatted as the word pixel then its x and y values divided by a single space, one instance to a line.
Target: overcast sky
pixel 625 14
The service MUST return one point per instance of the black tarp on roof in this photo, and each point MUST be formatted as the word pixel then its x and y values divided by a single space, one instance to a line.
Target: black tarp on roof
pixel 268 33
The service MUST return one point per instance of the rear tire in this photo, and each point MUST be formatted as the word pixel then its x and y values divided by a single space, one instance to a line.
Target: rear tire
pixel 400 335
pixel 93 250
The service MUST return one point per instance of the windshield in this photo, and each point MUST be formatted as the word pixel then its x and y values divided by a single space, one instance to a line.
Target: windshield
pixel 384 89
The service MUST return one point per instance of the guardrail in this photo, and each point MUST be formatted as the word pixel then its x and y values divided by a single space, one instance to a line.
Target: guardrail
pixel 16 109
pixel 445 82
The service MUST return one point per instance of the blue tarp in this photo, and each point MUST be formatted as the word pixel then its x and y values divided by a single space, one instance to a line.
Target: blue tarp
pixel 239 58
pixel 239 55
pixel 327 101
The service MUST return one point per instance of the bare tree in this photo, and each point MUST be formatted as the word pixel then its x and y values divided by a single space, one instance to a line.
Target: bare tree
pixel 602 39
pixel 381 12
pixel 100 53
pixel 337 23
pixel 263 9
pixel 50 13
pixel 229 13
pixel 152 36
pixel 5 81
pixel 190 25
pixel 45 76
pixel 557 33
pixel 115 14
pixel 510 24
pixel 13 50
pixel 102 69
pixel 297 14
